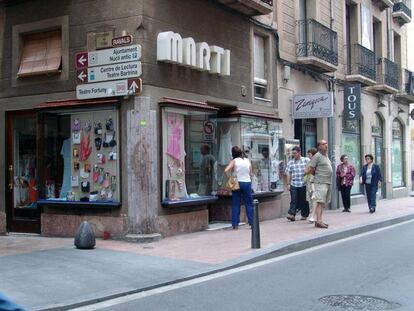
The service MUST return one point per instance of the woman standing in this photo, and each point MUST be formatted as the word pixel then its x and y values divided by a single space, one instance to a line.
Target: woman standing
pixel 345 174
pixel 241 168
pixel 371 177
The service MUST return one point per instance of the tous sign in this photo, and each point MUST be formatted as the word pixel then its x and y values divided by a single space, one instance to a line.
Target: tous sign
pixel 172 48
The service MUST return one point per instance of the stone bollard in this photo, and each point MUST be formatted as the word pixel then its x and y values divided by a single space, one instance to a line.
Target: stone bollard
pixel 85 238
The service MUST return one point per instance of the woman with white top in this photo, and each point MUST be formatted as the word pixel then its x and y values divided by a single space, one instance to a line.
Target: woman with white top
pixel 241 168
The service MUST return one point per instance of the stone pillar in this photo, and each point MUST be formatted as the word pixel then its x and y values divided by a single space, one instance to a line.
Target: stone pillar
pixel 142 168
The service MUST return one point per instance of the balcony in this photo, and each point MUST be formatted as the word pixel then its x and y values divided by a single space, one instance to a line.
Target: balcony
pixel 383 4
pixel 388 77
pixel 317 46
pixel 363 66
pixel 406 94
pixel 402 12
pixel 250 7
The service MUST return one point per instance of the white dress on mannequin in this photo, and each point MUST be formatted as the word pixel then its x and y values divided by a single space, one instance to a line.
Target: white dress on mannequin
pixel 224 153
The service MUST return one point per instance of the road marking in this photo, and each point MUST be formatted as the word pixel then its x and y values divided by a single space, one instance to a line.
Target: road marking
pixel 167 288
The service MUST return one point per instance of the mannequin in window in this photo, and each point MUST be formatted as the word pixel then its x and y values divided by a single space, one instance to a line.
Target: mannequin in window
pixel 65 152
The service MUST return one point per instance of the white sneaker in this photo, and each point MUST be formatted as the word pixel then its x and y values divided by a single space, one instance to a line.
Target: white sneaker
pixel 311 220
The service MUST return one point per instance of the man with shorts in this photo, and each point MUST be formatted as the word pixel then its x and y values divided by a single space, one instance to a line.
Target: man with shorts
pixel 320 166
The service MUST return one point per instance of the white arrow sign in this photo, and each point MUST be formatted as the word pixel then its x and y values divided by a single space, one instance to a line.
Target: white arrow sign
pixel 133 86
pixel 82 60
pixel 82 75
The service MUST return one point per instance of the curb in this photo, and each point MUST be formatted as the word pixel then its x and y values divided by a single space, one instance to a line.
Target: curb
pixel 260 255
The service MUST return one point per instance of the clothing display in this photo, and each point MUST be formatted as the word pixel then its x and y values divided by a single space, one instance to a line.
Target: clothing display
pixel 176 128
pixel 65 152
pixel 224 151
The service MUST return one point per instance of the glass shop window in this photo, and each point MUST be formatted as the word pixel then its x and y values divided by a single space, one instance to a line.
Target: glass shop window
pixel 79 156
pixel 259 138
pixel 189 154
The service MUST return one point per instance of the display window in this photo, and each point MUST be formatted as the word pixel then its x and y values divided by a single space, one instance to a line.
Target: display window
pixel 189 155
pixel 79 156
pixel 351 145
pixel 260 139
pixel 397 154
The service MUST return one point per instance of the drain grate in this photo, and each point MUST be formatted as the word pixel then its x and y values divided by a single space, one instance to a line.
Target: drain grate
pixel 358 302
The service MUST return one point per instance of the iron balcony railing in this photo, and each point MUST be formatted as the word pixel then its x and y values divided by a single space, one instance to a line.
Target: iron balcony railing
pixel 388 73
pixel 269 2
pixel 408 86
pixel 403 6
pixel 315 39
pixel 363 62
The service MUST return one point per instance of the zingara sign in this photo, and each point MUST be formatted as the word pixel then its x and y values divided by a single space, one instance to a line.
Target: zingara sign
pixel 316 105
pixel 172 48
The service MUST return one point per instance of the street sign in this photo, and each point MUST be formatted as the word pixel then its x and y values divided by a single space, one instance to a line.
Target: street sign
pixel 109 72
pixel 109 89
pixel 108 56
pixel 124 40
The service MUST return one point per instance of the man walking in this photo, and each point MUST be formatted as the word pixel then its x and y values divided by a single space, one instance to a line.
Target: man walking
pixel 295 172
pixel 321 167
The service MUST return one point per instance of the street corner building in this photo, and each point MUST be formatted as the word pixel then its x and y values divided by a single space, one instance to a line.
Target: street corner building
pixel 124 113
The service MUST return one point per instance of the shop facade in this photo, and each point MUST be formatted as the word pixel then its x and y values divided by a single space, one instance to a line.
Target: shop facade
pixel 151 163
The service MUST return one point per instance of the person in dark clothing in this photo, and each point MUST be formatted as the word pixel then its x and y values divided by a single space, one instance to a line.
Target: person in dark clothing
pixel 345 174
pixel 371 177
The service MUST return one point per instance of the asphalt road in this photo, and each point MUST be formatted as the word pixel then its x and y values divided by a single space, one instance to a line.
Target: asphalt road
pixel 376 265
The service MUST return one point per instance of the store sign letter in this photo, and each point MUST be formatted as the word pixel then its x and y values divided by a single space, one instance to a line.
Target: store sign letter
pixel 172 48
pixel 352 102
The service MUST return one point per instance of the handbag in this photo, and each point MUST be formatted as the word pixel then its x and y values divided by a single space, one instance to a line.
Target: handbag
pixel 233 184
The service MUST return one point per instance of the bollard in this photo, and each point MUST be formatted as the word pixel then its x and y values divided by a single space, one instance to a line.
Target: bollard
pixel 255 225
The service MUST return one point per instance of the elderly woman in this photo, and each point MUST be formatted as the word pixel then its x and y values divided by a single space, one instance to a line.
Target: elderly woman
pixel 345 174
pixel 371 177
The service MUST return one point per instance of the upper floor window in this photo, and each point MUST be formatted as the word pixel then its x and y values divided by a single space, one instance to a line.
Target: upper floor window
pixel 260 67
pixel 41 54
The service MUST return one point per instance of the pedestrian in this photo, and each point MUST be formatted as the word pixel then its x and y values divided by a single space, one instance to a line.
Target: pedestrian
pixel 345 173
pixel 320 166
pixel 7 305
pixel 241 168
pixel 371 177
pixel 295 173
pixel 310 186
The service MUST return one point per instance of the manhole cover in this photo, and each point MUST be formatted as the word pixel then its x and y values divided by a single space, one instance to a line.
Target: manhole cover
pixel 358 302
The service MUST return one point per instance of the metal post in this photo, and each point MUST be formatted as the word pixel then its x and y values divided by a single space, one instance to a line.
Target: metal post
pixel 331 151
pixel 255 225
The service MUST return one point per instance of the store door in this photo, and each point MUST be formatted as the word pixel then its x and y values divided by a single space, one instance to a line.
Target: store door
pixel 377 145
pixel 23 215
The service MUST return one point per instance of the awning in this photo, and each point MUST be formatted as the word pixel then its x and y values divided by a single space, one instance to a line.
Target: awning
pixel 183 103
pixel 72 103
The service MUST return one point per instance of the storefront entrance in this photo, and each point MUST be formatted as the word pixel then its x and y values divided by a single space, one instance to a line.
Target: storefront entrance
pixel 23 214
pixel 377 147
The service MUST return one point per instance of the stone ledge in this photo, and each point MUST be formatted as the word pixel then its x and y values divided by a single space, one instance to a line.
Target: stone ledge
pixel 142 238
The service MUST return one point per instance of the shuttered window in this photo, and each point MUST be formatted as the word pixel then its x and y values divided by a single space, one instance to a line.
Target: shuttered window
pixel 41 54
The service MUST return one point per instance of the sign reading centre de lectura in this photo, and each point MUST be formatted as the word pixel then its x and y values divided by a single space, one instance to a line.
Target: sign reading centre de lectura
pixel 314 105
pixel 109 72
pixel 108 56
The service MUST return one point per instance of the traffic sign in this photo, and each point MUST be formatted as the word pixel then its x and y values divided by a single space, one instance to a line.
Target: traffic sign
pixel 108 56
pixel 109 72
pixel 109 89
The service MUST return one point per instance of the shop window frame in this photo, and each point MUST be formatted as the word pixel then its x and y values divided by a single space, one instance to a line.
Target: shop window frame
pixel 398 137
pixel 70 107
pixel 180 104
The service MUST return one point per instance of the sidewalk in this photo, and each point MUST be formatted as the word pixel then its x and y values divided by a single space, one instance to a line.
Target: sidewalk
pixel 47 273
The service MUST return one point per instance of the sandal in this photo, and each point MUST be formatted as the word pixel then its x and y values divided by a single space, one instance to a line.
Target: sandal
pixel 321 225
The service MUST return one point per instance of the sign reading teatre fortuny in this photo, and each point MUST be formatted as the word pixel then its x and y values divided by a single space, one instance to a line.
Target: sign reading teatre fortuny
pixel 352 102
pixel 315 105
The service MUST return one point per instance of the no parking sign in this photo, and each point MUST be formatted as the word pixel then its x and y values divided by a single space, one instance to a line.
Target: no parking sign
pixel 208 131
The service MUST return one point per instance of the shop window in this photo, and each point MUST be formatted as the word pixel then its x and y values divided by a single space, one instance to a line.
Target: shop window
pixel 189 153
pixel 351 145
pixel 79 156
pixel 41 54
pixel 260 67
pixel 397 154
pixel 260 139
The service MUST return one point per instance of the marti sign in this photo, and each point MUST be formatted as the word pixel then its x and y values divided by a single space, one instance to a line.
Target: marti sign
pixel 172 48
